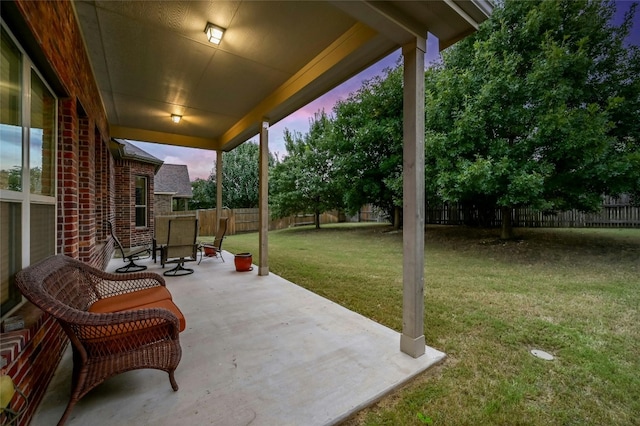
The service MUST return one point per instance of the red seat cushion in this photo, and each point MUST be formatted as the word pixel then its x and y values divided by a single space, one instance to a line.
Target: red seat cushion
pixel 128 301
pixel 155 297
pixel 169 305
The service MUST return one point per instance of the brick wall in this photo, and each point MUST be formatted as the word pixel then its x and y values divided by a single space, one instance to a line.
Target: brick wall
pixel 143 236
pixel 68 219
pixel 33 352
pixel 111 190
pixel 86 190
pixel 124 202
pixel 126 230
pixel 163 204
pixel 54 28
pixel 101 186
pixel 85 178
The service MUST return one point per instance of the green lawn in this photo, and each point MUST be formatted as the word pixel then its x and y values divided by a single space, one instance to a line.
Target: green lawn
pixel 573 292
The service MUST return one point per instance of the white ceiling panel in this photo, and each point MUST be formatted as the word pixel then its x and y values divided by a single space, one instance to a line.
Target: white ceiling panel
pixel 230 81
pixel 284 35
pixel 151 115
pixel 87 14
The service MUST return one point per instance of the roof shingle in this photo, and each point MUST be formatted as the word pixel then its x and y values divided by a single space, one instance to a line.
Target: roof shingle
pixel 173 178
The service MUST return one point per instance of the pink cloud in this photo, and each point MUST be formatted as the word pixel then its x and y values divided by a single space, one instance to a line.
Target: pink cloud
pixel 198 161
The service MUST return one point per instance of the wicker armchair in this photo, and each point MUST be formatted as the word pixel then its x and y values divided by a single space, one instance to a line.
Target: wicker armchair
pixel 108 343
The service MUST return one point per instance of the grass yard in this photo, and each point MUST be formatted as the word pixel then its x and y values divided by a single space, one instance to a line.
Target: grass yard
pixel 572 292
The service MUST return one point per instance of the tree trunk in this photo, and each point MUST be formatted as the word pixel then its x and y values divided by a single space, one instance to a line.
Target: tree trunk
pixel 506 232
pixel 396 217
pixel 317 220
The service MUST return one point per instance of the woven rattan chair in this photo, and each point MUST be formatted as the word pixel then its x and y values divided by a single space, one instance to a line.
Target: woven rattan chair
pixel 105 344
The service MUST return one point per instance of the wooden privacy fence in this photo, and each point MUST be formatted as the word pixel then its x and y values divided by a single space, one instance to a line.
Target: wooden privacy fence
pixel 370 213
pixel 615 213
pixel 247 220
pixel 207 222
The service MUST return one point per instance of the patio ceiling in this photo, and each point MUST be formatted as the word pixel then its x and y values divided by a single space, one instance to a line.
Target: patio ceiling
pixel 151 58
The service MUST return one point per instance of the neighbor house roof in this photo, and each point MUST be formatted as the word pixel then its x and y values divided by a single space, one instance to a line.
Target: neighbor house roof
pixel 122 149
pixel 173 179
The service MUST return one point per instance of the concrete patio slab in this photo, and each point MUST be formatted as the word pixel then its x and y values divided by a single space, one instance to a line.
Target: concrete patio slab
pixel 257 350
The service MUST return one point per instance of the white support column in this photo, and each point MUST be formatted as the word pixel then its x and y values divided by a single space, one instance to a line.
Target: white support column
pixel 218 187
pixel 263 199
pixel 412 341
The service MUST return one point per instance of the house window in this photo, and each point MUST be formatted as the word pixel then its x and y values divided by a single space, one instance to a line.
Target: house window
pixel 141 201
pixel 10 115
pixel 10 250
pixel 27 167
pixel 178 204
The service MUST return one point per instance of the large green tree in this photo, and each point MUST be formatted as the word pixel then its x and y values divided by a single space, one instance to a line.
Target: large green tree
pixel 304 181
pixel 240 177
pixel 539 108
pixel 203 195
pixel 368 144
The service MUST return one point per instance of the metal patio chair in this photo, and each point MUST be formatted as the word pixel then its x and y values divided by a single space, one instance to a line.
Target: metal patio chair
pixel 181 246
pixel 129 255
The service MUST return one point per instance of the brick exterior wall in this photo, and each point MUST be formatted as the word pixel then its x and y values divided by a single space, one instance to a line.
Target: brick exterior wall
pixel 68 220
pixel 39 347
pixel 86 190
pixel 163 204
pixel 126 230
pixel 85 178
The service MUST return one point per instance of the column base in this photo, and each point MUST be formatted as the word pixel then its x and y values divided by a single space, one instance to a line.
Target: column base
pixel 411 346
pixel 263 271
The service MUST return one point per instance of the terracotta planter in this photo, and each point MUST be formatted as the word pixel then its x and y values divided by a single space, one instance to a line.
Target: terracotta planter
pixel 243 262
pixel 209 251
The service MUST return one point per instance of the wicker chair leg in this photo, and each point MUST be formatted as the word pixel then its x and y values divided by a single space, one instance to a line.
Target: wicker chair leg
pixel 172 379
pixel 67 411
pixel 78 382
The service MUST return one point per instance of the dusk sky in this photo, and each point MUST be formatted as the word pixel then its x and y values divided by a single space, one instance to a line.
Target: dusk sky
pixel 200 162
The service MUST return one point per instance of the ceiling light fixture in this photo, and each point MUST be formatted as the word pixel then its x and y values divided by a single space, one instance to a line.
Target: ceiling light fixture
pixel 176 118
pixel 214 33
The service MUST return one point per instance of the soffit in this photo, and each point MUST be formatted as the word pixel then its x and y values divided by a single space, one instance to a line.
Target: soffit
pixel 151 59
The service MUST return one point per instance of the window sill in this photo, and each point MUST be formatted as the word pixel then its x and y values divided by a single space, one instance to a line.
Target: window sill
pixel 13 342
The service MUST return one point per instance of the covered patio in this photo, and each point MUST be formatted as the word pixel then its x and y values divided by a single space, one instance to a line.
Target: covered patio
pixel 269 60
pixel 256 349
pixel 122 69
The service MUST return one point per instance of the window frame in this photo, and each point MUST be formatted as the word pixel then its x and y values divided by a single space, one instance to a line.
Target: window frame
pixel 145 206
pixel 24 197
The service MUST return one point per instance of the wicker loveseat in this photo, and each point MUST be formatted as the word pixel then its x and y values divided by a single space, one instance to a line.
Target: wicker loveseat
pixel 116 323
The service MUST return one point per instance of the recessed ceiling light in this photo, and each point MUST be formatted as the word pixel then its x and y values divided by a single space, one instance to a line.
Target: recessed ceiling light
pixel 176 118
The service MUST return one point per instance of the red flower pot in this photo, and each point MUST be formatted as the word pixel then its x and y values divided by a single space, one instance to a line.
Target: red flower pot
pixel 243 262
